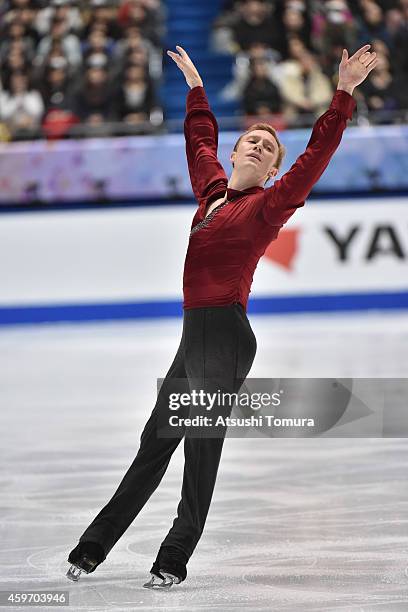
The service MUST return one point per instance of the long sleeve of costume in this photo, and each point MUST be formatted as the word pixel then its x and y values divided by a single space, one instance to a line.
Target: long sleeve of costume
pixel 201 134
pixel 290 192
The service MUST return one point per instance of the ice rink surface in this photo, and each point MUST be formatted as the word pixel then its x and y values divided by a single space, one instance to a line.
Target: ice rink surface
pixel 295 524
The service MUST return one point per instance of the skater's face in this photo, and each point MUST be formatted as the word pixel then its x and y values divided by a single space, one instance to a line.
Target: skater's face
pixel 256 155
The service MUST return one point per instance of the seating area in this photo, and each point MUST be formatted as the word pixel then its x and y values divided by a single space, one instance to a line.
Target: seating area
pixel 286 56
pixel 74 68
pixel 80 68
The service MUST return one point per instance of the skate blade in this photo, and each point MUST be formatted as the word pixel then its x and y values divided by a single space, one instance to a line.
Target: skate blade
pixel 84 565
pixel 74 573
pixel 165 583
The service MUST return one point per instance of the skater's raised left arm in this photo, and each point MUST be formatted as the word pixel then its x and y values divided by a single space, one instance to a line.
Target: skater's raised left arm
pixel 290 192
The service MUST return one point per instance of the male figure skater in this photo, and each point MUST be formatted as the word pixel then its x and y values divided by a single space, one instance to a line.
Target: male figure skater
pixel 235 221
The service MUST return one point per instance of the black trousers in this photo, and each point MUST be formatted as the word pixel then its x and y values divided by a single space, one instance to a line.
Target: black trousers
pixel 219 345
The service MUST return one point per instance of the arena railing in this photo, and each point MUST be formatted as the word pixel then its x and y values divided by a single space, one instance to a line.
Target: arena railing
pixel 234 123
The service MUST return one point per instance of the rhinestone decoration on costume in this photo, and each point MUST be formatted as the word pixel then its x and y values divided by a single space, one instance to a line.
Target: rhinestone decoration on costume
pixel 208 218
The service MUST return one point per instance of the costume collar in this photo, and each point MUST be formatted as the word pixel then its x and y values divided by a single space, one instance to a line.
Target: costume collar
pixel 235 193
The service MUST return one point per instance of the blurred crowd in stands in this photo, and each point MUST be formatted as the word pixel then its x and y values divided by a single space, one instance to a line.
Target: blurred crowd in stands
pixel 99 63
pixel 287 55
pixel 64 63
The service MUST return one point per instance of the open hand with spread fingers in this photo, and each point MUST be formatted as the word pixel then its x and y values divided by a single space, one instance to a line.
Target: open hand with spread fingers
pixel 186 66
pixel 353 70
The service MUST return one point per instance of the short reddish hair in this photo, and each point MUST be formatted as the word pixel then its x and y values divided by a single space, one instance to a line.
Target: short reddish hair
pixel 271 130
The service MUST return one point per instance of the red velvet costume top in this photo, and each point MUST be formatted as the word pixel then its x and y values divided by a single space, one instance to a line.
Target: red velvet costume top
pixel 224 251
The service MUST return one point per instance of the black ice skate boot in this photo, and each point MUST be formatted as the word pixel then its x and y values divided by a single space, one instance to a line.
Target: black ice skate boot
pixel 168 569
pixel 85 557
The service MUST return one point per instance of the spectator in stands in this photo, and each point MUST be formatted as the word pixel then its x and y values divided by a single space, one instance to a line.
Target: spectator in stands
pixel 137 56
pixel 241 69
pixel 139 17
pixel 26 13
pixel 221 37
pixel 103 15
pixel 304 87
pixel 21 107
pixel 93 102
pixel 295 22
pixel 333 26
pixel 55 88
pixel 97 42
pixel 133 39
pixel 56 56
pixel 59 9
pixel 380 48
pixel 69 43
pixel 56 52
pixel 379 91
pixel 401 95
pixel 16 34
pixel 330 12
pixel 159 15
pixel 15 62
pixel 56 91
pixel 394 20
pixel 371 24
pixel 400 40
pixel 149 15
pixel 136 99
pixel 260 92
pixel 296 49
pixel 256 24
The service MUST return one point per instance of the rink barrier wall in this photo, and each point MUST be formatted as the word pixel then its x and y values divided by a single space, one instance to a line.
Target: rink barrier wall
pixel 121 168
pixel 127 263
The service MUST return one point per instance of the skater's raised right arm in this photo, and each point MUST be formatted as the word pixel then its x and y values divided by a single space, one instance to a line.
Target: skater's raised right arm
pixel 200 131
